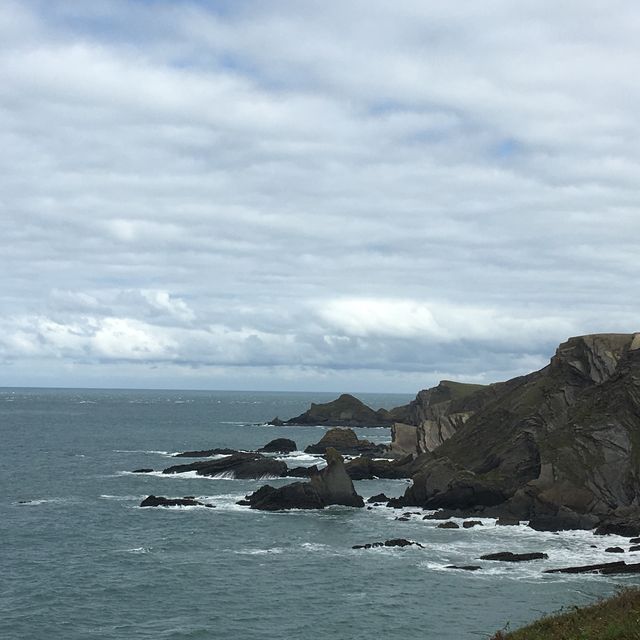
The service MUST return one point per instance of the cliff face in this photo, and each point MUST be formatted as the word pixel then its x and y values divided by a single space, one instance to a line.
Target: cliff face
pixel 565 436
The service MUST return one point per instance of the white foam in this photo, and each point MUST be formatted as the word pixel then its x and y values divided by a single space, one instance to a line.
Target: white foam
pixel 147 451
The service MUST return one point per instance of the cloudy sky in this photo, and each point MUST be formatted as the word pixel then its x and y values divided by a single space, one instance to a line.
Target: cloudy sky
pixel 354 195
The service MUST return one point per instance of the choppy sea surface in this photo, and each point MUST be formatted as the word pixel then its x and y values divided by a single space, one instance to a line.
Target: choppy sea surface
pixel 80 559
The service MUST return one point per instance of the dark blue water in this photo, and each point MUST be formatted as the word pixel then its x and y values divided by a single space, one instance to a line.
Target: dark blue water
pixel 80 559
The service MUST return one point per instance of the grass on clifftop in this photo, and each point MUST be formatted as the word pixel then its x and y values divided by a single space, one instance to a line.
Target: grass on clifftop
pixel 617 618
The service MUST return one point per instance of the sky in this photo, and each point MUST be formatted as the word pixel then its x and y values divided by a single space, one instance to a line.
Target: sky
pixel 301 195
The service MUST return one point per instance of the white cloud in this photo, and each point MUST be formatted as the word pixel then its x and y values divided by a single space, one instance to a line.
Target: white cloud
pixel 415 189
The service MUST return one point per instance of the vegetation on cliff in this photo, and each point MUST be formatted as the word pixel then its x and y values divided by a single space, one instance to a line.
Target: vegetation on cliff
pixel 617 618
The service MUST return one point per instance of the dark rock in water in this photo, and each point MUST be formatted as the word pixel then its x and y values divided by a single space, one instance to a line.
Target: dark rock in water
pixel 465 567
pixel 205 453
pixel 635 548
pixel 160 501
pixel 301 472
pixel 507 522
pixel 276 422
pixel 507 556
pixel 607 568
pixel 379 497
pixel 401 542
pixel 468 524
pixel 614 550
pixel 279 445
pixel 402 519
pixel 394 542
pixel 448 525
pixel 634 541
pixel 345 411
pixel 142 471
pixel 241 465
pixel 346 442
pixel 330 485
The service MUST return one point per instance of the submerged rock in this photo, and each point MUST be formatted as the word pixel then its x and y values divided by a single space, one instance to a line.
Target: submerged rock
pixel 606 568
pixel 142 471
pixel 160 501
pixel 205 453
pixel 238 465
pixel 465 567
pixel 394 542
pixel 508 556
pixel 331 485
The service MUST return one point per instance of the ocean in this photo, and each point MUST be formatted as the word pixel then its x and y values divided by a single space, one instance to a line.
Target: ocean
pixel 82 560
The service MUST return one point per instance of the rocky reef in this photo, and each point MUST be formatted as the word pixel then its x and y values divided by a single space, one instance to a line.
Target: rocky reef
pixel 237 465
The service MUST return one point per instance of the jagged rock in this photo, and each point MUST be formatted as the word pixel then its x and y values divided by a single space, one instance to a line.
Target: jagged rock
pixel 379 497
pixel 404 439
pixel 465 567
pixel 276 422
pixel 507 556
pixel 468 524
pixel 279 445
pixel 626 524
pixel 346 442
pixel 614 550
pixel 160 501
pixel 448 525
pixel 142 471
pixel 240 465
pixel 365 468
pixel 330 485
pixel 345 411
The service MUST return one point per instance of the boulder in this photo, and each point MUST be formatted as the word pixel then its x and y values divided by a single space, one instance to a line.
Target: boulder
pixel 448 525
pixel 635 547
pixel 465 567
pixel 468 524
pixel 238 465
pixel 160 501
pixel 279 445
pixel 508 556
pixel 379 497
pixel 328 486
pixel 614 550
pixel 346 442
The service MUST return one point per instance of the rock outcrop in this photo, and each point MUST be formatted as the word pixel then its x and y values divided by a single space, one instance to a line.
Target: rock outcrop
pixel 551 446
pixel 238 465
pixel 345 411
pixel 331 485
pixel 346 442
pixel 279 445
pixel 204 453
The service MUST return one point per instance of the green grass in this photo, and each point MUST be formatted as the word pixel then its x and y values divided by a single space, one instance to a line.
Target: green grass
pixel 617 618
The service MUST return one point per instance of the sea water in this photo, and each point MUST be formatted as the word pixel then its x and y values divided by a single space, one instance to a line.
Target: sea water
pixel 80 558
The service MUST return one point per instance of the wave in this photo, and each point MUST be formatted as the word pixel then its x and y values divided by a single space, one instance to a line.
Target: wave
pixel 40 501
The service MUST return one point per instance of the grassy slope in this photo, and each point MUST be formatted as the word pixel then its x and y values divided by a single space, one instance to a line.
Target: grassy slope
pixel 617 618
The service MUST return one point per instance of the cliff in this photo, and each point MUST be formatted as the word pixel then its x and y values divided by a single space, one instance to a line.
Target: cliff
pixel 563 439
